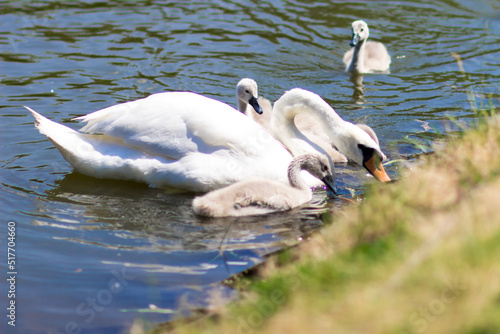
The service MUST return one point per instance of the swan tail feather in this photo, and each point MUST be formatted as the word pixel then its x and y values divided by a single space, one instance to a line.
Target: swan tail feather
pixel 38 118
pixel 49 128
pixel 106 157
pixel 70 143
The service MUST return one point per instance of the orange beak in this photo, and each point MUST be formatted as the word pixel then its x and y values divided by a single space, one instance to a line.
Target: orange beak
pixel 374 166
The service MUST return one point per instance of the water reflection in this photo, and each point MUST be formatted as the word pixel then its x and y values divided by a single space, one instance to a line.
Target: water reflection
pixel 358 95
pixel 164 221
pixel 173 257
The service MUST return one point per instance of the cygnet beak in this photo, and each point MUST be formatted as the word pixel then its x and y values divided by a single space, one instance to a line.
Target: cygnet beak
pixel 255 105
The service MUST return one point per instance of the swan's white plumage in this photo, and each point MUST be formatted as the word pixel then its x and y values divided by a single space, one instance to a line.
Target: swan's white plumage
pixel 175 139
pixel 191 142
pixel 345 136
pixel 173 124
pixel 308 128
pixel 350 140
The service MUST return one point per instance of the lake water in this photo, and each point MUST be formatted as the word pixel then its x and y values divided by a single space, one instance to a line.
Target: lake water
pixel 97 254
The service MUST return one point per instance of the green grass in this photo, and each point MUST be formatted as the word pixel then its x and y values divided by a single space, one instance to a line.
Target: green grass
pixel 418 256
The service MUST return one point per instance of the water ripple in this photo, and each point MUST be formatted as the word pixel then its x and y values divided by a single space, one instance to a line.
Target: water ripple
pixel 68 58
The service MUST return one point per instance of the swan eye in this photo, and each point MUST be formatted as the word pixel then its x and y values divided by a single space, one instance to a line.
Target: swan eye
pixel 362 29
pixel 367 152
pixel 246 91
pixel 325 168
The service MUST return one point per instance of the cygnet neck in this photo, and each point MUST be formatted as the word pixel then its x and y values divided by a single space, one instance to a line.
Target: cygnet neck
pixel 243 107
pixel 294 176
pixel 358 56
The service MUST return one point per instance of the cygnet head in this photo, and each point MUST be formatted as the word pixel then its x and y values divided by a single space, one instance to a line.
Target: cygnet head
pixel 360 32
pixel 247 93
pixel 317 165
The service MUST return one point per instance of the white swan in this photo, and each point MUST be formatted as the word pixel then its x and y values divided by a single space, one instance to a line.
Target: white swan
pixel 175 139
pixel 188 141
pixel 310 127
pixel 365 56
pixel 261 196
pixel 349 139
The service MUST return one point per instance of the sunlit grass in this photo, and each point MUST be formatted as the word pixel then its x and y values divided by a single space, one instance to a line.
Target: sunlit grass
pixel 420 255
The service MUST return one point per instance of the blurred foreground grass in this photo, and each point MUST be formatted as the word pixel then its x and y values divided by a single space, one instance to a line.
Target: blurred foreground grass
pixel 418 256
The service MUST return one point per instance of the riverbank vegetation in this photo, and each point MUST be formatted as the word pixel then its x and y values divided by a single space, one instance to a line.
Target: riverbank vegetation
pixel 419 255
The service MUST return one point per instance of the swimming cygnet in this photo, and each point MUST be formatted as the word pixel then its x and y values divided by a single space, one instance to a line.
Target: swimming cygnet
pixel 365 56
pixel 261 196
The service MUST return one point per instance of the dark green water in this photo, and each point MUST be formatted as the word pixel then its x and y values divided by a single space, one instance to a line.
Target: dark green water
pixel 96 254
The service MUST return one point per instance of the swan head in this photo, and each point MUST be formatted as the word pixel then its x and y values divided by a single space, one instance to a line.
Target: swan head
pixel 370 132
pixel 317 165
pixel 247 93
pixel 360 32
pixel 357 143
pixel 359 146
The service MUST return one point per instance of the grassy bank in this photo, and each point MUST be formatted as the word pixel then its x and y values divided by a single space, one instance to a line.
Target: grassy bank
pixel 418 256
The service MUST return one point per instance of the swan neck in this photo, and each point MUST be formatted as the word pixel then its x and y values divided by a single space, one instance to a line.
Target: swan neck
pixel 285 130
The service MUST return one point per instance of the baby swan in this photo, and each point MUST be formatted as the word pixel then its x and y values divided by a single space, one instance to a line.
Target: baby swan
pixel 365 56
pixel 249 103
pixel 260 196
pixel 247 94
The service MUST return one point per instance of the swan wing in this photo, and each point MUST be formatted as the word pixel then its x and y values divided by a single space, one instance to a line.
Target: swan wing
pixel 173 124
pixel 199 149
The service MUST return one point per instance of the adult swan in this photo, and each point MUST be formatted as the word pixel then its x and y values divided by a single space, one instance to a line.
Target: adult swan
pixel 188 141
